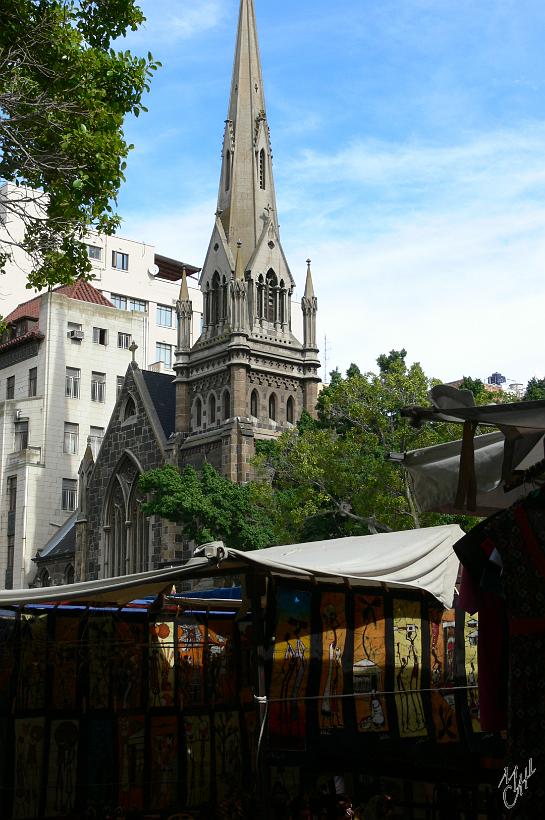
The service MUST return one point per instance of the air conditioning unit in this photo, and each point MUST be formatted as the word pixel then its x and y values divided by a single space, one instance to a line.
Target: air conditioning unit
pixel 78 335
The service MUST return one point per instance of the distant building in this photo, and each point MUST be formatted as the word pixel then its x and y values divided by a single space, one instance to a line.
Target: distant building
pixel 128 272
pixel 63 360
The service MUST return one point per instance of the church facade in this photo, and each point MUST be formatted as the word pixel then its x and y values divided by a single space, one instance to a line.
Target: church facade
pixel 247 377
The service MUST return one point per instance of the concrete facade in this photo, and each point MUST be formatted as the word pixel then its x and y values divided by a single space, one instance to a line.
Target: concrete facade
pixel 63 408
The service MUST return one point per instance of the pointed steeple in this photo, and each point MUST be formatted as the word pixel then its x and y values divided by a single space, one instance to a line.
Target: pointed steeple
pixel 184 311
pixel 309 306
pixel 246 200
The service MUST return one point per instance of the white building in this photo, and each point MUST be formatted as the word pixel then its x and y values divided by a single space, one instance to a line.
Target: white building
pixel 61 363
pixel 129 273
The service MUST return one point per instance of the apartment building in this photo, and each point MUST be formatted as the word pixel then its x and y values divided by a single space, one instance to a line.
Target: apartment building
pixel 63 360
pixel 127 272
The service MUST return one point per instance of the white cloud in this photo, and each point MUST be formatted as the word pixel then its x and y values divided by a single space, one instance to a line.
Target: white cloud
pixel 173 20
pixel 182 234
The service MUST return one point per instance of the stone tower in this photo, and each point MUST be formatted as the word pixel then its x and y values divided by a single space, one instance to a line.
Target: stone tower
pixel 247 377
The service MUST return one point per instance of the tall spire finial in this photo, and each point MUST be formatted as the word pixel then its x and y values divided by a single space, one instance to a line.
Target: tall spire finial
pixel 309 287
pixel 247 184
pixel 184 291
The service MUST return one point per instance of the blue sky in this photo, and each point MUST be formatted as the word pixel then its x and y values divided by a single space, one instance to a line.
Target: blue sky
pixel 408 140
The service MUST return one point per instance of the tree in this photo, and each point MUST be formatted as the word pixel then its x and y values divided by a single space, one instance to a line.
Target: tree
pixel 484 396
pixel 535 390
pixel 210 507
pixel 64 96
pixel 333 477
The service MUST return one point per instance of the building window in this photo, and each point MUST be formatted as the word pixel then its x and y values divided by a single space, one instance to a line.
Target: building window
pixel 254 404
pixel 118 301
pixel 138 304
pixel 69 494
pixel 69 574
pixel 163 353
pixel 45 578
pixel 94 252
pixel 72 383
pixel 71 438
pixel 198 412
pixel 129 410
pixel 272 407
pixel 100 336
pixel 96 436
pixel 226 405
pixel 10 562
pixel 164 316
pixel 262 173
pixel 290 410
pixel 120 261
pixel 124 340
pixel 120 381
pixel 32 381
pixel 98 387
pixel 10 387
pixel 21 435
pixel 271 304
pixel 12 493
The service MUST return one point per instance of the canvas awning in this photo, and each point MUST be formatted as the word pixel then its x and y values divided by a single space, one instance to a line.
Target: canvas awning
pixel 420 559
pixel 477 474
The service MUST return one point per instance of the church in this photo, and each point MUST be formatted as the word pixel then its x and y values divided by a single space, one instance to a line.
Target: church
pixel 247 377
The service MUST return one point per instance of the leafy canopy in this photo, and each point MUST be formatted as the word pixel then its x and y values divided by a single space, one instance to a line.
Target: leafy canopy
pixel 535 390
pixel 209 506
pixel 64 95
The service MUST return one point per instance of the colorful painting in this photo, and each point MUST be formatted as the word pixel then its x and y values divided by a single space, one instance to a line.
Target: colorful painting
pixel 229 768
pixel 161 664
pixel 197 740
pixel 333 618
pixel 63 658
pixel 7 660
pixel 220 667
pixel 100 765
pixel 29 755
pixel 471 638
pixel 127 664
pixel 33 662
pixel 131 747
pixel 369 667
pixel 407 625
pixel 442 673
pixel 164 763
pixel 190 655
pixel 63 765
pixel 99 634
pixel 291 655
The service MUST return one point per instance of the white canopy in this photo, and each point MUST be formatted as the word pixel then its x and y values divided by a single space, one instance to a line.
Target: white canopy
pixel 412 559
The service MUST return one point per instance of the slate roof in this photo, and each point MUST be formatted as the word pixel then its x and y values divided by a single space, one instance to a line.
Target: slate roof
pixel 62 543
pixel 162 391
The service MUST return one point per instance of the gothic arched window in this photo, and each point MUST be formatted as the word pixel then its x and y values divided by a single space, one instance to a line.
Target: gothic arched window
pixel 224 300
pixel 227 170
pixel 260 297
pixel 212 409
pixel 45 579
pixel 290 410
pixel 69 574
pixel 226 405
pixel 282 301
pixel 272 407
pixel 271 305
pixel 262 171
pixel 126 529
pixel 130 409
pixel 215 311
pixel 254 404
pixel 198 413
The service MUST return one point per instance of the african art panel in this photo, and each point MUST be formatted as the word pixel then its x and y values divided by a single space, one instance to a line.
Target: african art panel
pixel 7 660
pixel 32 663
pixel 99 636
pixel 190 655
pixel 63 766
pixel 221 671
pixel 197 739
pixel 29 755
pixel 333 619
pixel 229 770
pixel 63 658
pixel 128 655
pixel 407 627
pixel 161 664
pixel 443 670
pixel 164 763
pixel 471 637
pixel 130 751
pixel 369 668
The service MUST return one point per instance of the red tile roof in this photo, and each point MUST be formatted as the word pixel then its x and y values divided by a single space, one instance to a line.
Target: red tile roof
pixel 80 290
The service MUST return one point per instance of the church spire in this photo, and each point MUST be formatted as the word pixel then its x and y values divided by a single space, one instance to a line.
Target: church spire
pixel 246 200
pixel 309 306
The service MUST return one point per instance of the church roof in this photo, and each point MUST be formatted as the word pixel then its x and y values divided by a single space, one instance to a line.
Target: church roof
pixel 62 543
pixel 162 392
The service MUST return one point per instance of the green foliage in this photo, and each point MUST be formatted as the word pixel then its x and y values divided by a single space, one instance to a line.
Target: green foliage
pixel 332 476
pixel 535 390
pixel 484 396
pixel 64 96
pixel 210 507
